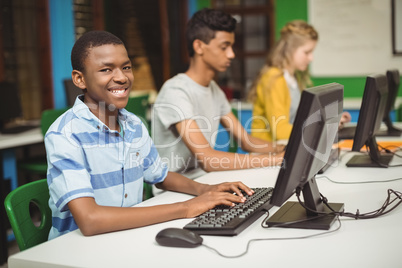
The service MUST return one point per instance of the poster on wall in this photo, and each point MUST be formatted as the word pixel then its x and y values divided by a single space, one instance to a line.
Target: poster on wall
pixel 397 27
pixel 355 37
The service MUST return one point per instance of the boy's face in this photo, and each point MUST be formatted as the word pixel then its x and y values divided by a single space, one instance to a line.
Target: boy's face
pixel 107 76
pixel 218 53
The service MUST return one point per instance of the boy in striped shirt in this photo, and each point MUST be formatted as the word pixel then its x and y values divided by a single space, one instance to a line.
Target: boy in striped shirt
pixel 99 154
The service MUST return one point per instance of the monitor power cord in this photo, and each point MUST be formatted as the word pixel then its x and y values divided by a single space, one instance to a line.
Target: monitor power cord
pixel 384 209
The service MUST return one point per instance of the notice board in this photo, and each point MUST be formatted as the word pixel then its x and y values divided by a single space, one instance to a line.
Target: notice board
pixel 355 37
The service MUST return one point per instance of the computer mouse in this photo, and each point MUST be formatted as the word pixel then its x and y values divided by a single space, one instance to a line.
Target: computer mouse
pixel 177 237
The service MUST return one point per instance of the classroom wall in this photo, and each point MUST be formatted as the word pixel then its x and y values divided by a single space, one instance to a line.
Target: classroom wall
pixel 286 10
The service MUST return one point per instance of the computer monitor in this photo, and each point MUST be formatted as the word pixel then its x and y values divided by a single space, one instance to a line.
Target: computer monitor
pixel 10 105
pixel 310 143
pixel 72 91
pixel 370 117
pixel 393 87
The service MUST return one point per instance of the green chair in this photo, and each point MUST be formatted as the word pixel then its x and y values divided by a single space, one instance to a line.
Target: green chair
pixel 139 105
pixel 39 165
pixel 18 203
pixel 233 146
pixel 147 191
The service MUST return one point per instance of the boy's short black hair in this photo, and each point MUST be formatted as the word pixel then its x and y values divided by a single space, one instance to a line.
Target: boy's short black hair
pixel 205 23
pixel 89 40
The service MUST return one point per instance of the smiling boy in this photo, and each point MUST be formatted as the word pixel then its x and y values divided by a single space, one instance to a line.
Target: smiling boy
pixel 99 155
pixel 190 106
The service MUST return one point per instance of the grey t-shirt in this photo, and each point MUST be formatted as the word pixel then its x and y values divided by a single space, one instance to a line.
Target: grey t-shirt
pixel 179 99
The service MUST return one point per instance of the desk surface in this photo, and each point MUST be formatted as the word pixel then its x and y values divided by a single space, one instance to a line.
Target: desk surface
pixel 358 243
pixel 20 139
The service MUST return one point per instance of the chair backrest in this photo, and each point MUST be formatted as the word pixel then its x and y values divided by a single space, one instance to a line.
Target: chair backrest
pixel 139 106
pixel 18 203
pixel 233 146
pixel 49 116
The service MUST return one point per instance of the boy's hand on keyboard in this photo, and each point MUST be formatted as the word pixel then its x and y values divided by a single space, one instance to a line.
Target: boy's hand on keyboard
pixel 220 194
pixel 231 187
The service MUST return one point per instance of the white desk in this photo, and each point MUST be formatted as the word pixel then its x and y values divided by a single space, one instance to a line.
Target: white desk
pixel 359 243
pixel 20 139
pixel 8 142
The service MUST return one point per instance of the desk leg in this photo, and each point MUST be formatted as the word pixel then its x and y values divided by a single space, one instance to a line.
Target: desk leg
pixel 3 217
pixel 9 172
pixel 10 175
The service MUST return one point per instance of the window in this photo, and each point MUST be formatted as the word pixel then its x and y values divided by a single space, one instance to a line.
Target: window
pixel 25 53
pixel 254 37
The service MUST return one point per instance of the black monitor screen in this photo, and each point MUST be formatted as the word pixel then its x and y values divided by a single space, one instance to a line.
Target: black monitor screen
pixel 393 88
pixel 72 91
pixel 370 118
pixel 310 143
pixel 10 106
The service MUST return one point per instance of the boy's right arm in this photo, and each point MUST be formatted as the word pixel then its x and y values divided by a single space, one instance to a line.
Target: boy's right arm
pixel 93 219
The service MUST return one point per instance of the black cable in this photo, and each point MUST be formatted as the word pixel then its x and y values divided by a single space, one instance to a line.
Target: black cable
pixel 369 215
pixel 375 160
pixel 382 164
pixel 355 182
pixel 387 149
pixel 272 239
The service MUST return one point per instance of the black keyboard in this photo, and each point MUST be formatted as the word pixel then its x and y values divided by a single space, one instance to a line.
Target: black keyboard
pixel 17 129
pixel 230 221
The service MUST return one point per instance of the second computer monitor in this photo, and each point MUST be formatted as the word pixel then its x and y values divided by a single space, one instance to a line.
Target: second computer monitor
pixel 10 106
pixel 393 88
pixel 370 117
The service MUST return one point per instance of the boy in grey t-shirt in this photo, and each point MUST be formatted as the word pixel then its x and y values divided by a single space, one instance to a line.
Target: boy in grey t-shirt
pixel 190 106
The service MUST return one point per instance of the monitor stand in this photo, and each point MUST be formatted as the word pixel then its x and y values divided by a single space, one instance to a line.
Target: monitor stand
pixel 294 215
pixel 374 159
pixel 390 132
pixel 294 212
pixel 367 161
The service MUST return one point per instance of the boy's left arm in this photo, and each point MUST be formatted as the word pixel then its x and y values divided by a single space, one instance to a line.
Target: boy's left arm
pixel 247 142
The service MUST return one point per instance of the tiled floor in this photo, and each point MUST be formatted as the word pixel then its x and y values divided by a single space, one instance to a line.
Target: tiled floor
pixel 12 249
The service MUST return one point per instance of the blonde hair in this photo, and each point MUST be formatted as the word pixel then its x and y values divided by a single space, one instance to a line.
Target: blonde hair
pixel 293 35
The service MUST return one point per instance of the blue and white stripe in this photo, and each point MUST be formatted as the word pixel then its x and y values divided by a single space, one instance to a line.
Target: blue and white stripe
pixel 87 159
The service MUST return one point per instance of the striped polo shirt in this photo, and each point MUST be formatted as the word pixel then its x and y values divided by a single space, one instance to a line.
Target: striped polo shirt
pixel 87 159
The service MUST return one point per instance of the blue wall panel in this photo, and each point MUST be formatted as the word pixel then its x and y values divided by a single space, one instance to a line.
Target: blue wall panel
pixel 62 41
